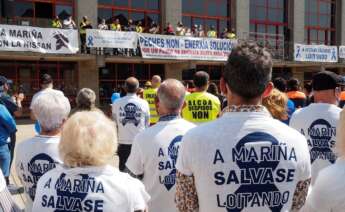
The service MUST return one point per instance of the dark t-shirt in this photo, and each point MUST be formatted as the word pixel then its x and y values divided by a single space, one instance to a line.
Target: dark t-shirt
pixel 6 100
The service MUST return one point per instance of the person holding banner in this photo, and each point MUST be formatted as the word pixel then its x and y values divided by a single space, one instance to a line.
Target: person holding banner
pixel 201 106
pixel 150 96
pixel 212 33
pixel 56 23
pixel 85 24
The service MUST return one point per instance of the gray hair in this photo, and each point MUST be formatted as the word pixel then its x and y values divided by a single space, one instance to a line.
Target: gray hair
pixel 51 109
pixel 171 94
pixel 86 99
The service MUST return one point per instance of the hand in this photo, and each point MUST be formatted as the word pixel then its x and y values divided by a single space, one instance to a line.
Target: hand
pixel 20 97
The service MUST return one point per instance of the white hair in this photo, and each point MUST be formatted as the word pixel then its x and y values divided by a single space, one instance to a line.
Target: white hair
pixel 51 109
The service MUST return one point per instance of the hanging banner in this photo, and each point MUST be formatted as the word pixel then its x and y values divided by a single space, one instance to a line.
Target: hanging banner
pixel 316 53
pixel 111 39
pixel 185 48
pixel 41 40
pixel 342 52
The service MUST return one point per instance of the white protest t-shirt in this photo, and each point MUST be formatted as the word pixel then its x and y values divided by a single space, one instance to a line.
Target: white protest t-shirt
pixel 89 189
pixel 318 123
pixel 154 154
pixel 244 161
pixel 328 194
pixel 34 157
pixel 47 90
pixel 132 115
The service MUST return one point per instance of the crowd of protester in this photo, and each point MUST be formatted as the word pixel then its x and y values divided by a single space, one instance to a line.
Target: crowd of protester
pixel 258 144
pixel 130 26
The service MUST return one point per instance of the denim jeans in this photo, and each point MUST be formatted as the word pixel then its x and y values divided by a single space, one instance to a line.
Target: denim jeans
pixel 5 159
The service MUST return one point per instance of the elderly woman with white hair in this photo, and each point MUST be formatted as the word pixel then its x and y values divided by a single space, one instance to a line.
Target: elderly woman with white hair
pixel 86 181
pixel 327 193
pixel 37 155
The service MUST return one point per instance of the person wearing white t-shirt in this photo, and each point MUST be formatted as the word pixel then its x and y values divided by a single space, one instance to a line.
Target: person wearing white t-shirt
pixel 46 83
pixel 87 181
pixel 37 155
pixel 245 160
pixel 318 121
pixel 132 116
pixel 327 194
pixel 7 204
pixel 155 150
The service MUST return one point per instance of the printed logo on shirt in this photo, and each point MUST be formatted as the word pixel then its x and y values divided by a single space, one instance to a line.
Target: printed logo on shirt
pixel 200 109
pixel 130 114
pixel 319 137
pixel 168 163
pixel 257 156
pixel 38 166
pixel 71 194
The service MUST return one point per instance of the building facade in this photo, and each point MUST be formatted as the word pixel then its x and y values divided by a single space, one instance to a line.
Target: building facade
pixel 276 24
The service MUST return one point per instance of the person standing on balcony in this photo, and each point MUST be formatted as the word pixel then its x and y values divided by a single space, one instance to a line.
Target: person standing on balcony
pixel 150 96
pixel 115 26
pixel 69 23
pixel 169 30
pixel 231 34
pixel 139 28
pixel 85 24
pixel 130 26
pixel 201 32
pixel 154 29
pixel 103 25
pixel 212 33
pixel 56 23
pixel 180 30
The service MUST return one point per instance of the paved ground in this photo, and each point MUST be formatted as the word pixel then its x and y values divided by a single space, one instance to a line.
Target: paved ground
pixel 26 130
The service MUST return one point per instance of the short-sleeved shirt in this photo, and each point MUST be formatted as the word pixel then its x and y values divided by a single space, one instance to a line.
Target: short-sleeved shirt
pixel 35 157
pixel 318 123
pixel 327 194
pixel 47 90
pixel 102 188
pixel 201 107
pixel 244 161
pixel 131 115
pixel 154 154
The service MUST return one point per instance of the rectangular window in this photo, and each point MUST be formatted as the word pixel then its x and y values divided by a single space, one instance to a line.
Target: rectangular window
pixel 207 13
pixel 268 22
pixel 112 77
pixel 36 12
pixel 25 76
pixel 145 11
pixel 320 22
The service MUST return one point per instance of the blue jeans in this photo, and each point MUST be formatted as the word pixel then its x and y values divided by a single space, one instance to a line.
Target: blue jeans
pixel 5 159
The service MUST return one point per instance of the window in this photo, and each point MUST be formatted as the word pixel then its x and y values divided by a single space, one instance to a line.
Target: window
pixel 320 22
pixel 207 13
pixel 113 76
pixel 35 12
pixel 145 11
pixel 25 75
pixel 268 24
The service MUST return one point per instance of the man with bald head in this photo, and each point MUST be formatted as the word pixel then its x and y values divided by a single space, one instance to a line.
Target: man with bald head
pixel 132 115
pixel 150 95
pixel 155 150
